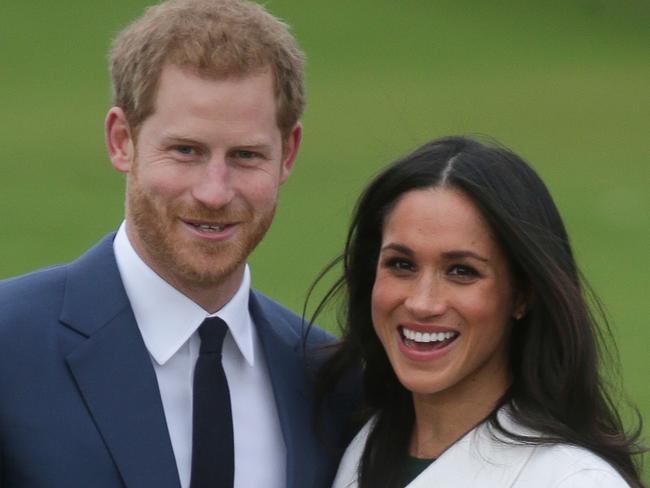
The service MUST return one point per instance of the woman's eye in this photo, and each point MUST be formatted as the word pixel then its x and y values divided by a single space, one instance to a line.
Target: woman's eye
pixel 463 271
pixel 399 264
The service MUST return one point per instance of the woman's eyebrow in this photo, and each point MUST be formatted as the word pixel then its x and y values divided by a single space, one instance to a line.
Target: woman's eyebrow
pixel 460 254
pixel 401 248
pixel 456 254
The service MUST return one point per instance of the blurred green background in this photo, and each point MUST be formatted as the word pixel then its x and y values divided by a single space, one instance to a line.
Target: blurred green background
pixel 563 83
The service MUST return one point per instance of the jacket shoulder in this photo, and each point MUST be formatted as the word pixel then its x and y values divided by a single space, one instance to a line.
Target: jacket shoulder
pixel 289 322
pixel 34 300
pixel 29 294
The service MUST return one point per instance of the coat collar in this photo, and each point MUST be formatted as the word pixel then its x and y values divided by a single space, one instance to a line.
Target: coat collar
pixel 483 456
pixel 113 371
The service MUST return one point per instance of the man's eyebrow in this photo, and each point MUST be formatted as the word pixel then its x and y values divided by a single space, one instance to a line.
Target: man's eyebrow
pixel 186 138
pixel 167 138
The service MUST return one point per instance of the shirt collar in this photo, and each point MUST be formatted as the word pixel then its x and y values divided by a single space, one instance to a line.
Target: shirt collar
pixel 167 318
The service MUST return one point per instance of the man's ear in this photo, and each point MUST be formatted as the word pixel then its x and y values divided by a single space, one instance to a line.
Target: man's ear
pixel 119 141
pixel 290 151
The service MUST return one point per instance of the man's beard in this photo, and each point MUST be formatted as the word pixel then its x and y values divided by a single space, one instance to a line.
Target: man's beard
pixel 175 255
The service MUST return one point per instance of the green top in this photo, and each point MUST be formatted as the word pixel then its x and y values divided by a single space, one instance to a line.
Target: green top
pixel 414 466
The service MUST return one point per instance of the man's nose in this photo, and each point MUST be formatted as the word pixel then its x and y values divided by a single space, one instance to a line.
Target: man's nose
pixel 213 186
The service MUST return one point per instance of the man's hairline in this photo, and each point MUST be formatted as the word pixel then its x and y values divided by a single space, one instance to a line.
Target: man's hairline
pixel 267 67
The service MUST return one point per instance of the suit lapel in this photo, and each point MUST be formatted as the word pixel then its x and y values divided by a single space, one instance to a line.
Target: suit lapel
pixel 281 346
pixel 114 373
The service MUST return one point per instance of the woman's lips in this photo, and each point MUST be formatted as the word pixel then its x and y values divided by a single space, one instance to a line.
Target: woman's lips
pixel 425 343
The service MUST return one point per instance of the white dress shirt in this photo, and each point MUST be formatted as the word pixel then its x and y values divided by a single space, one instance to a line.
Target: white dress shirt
pixel 168 322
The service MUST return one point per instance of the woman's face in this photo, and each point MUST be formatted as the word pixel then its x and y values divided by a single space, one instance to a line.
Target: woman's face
pixel 443 297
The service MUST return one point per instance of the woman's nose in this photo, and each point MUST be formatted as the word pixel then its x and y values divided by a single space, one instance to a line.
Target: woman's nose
pixel 427 298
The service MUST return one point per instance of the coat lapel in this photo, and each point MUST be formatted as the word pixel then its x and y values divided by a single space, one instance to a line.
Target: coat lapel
pixel 481 458
pixel 114 373
pixel 282 347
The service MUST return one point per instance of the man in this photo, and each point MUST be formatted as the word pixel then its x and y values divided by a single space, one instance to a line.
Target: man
pixel 103 376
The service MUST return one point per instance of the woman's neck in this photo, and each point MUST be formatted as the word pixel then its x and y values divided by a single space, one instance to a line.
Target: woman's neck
pixel 443 418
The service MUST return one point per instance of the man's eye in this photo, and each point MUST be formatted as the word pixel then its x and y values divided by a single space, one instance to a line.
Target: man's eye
pixel 185 150
pixel 244 154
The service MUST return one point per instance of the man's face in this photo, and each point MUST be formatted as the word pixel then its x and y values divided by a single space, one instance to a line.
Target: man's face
pixel 204 177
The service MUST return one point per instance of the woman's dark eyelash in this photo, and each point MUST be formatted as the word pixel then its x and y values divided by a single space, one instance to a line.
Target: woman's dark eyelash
pixel 398 263
pixel 464 270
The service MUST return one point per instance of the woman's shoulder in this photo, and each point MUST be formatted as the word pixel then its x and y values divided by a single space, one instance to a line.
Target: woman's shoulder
pixel 561 465
pixel 486 457
pixel 567 466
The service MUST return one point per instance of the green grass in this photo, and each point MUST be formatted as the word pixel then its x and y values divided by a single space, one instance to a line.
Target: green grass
pixel 565 84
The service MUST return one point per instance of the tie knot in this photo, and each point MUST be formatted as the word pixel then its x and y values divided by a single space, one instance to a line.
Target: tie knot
pixel 212 332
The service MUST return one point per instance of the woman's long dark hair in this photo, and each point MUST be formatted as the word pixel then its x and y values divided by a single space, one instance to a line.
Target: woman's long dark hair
pixel 555 349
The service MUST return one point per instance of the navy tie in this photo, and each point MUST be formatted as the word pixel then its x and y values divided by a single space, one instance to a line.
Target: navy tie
pixel 213 458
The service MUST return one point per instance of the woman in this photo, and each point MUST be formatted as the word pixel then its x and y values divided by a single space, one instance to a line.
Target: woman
pixel 479 352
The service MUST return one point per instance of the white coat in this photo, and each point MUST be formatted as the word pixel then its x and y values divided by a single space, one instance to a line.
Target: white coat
pixel 479 460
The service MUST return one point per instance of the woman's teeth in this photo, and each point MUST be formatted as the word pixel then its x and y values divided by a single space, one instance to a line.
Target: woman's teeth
pixel 427 336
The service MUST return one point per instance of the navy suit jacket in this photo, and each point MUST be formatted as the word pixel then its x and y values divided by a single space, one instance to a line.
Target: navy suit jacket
pixel 79 400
